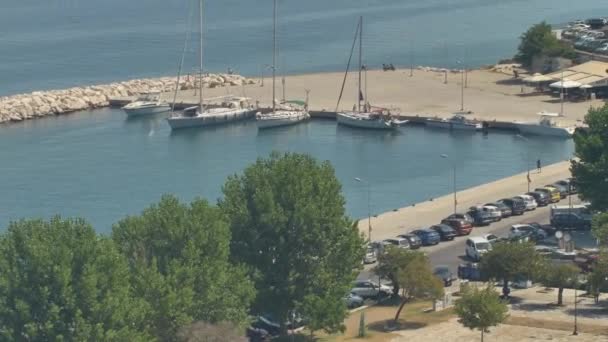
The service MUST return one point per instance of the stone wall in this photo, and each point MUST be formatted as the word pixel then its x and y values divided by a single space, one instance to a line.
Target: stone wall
pixel 55 102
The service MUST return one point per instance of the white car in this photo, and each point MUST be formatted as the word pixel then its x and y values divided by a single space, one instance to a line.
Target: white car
pixel 369 289
pixel 520 230
pixel 398 242
pixel 529 201
pixel 476 247
pixel 492 211
pixel 370 255
pixel 490 237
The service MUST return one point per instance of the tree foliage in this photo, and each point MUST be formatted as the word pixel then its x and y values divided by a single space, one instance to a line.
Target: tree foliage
pixel 540 41
pixel 509 261
pixel 410 273
pixel 599 228
pixel 559 276
pixel 179 260
pixel 289 225
pixel 207 332
pixel 480 308
pixel 59 281
pixel 598 278
pixel 591 168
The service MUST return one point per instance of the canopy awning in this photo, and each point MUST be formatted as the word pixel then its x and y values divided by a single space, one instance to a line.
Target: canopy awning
pixel 538 78
pixel 565 84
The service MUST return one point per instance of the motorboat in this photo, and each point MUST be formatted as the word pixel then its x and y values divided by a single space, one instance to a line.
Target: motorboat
pixel 369 120
pixel 228 111
pixel 545 126
pixel 146 104
pixel 362 116
pixel 456 122
pixel 288 112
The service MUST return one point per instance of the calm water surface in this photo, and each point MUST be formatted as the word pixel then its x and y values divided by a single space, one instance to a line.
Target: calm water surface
pixel 102 167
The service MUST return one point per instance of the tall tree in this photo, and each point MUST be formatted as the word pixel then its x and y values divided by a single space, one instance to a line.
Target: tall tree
pixel 591 168
pixel 480 308
pixel 59 281
pixel 598 278
pixel 560 276
pixel 539 40
pixel 179 260
pixel 207 332
pixel 289 225
pixel 508 261
pixel 390 263
pixel 599 228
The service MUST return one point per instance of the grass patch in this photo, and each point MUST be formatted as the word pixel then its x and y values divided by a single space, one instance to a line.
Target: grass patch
pixel 556 325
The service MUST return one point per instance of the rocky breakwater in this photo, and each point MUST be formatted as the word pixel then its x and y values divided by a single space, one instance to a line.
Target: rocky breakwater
pixel 56 102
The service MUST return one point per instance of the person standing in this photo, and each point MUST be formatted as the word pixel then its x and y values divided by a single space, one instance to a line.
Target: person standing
pixel 538 166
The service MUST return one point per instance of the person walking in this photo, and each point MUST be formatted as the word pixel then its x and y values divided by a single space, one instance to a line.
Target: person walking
pixel 538 166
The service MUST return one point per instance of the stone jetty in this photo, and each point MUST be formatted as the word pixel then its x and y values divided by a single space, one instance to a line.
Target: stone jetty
pixel 56 102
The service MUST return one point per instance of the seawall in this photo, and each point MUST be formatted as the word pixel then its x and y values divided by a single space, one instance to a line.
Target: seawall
pixel 56 102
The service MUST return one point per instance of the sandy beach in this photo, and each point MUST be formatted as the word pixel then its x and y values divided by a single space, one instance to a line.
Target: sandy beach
pixel 489 95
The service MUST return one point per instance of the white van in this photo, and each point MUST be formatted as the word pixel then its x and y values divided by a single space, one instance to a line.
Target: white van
pixel 476 247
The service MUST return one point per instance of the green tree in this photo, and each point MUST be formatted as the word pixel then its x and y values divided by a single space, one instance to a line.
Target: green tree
pixel 413 274
pixel 480 308
pixel 389 264
pixel 59 281
pixel 179 260
pixel 599 228
pixel 559 276
pixel 540 41
pixel 289 225
pixel 207 332
pixel 323 313
pixel 509 261
pixel 591 168
pixel 598 277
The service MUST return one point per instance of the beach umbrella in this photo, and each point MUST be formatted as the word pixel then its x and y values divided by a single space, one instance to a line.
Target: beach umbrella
pixel 565 84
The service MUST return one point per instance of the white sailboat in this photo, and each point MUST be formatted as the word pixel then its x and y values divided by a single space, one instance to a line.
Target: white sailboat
pixel 546 126
pixel 380 119
pixel 232 109
pixel 288 113
pixel 146 104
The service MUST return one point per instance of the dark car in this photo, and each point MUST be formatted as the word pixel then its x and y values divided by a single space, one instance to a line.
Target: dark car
pixel 444 273
pixel 460 225
pixel 414 240
pixel 480 217
pixel 505 211
pixel 541 198
pixel 427 236
pixel 568 184
pixel 549 229
pixel 466 217
pixel 517 205
pixel 563 190
pixel 570 221
pixel 446 233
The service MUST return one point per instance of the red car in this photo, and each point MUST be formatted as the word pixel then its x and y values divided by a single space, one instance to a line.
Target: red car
pixel 461 226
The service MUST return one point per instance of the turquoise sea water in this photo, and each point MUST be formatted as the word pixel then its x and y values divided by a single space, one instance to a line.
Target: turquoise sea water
pixel 100 166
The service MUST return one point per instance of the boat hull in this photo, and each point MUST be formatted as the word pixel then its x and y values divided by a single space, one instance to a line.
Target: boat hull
pixel 363 122
pixel 132 112
pixel 534 129
pixel 265 122
pixel 181 122
pixel 452 125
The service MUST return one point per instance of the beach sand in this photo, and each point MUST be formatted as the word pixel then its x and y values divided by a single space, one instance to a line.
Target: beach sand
pixel 489 95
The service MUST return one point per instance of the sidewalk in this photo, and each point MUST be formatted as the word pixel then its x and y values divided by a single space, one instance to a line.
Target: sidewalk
pixel 428 213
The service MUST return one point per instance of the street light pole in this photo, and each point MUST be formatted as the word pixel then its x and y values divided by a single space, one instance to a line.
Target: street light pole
pixel 575 332
pixel 453 182
pixel 519 136
pixel 369 208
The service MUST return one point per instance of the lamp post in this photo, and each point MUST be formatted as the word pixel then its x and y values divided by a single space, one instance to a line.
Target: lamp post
pixel 519 136
pixel 369 208
pixel 575 332
pixel 453 181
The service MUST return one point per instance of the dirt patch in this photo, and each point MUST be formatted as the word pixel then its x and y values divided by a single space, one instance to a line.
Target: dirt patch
pixel 557 325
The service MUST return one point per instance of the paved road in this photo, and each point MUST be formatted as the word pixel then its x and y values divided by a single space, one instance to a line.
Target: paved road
pixel 451 253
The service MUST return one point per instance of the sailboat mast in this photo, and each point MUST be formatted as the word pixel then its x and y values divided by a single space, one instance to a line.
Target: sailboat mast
pixel 360 61
pixel 274 52
pixel 200 75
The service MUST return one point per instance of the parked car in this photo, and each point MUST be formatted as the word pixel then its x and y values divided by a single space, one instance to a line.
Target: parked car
pixel 541 198
pixel 570 221
pixel 369 289
pixel 461 216
pixel 517 205
pixel 446 233
pixel 481 217
pixel 443 272
pixel 563 191
pixel 504 209
pixel 476 247
pixel 353 301
pixel 568 184
pixel 413 240
pixel 398 242
pixel 547 228
pixel 427 236
pixel 380 246
pixel 491 238
pixel 461 226
pixel 526 230
pixel 371 255
pixel 552 193
pixel 493 211
pixel 529 202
